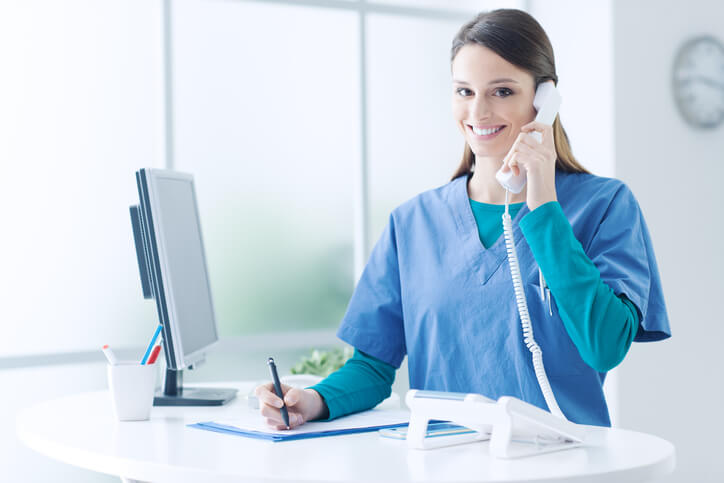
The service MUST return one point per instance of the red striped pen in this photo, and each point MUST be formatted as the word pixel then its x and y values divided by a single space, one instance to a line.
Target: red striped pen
pixel 154 354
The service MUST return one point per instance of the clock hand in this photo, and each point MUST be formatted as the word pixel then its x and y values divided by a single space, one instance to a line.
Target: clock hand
pixel 704 80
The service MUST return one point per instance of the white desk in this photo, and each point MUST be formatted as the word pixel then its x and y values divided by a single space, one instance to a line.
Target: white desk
pixel 80 430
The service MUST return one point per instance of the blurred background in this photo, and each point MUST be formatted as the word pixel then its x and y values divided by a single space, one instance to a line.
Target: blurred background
pixel 305 123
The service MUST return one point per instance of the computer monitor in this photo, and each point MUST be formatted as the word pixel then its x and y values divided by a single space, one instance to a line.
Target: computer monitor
pixel 172 264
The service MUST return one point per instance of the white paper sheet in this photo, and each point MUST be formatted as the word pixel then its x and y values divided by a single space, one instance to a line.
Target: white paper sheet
pixel 253 421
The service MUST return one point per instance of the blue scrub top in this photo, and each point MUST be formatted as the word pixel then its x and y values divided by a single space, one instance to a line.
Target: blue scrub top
pixel 432 291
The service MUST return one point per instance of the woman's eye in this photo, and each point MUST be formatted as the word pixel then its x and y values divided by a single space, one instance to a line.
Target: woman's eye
pixel 463 91
pixel 503 92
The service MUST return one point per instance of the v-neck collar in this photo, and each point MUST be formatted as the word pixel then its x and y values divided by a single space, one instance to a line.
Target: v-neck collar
pixel 488 260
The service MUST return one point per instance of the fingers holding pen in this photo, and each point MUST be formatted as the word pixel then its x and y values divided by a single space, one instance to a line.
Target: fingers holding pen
pixel 274 418
pixel 270 406
pixel 293 399
pixel 286 407
pixel 266 394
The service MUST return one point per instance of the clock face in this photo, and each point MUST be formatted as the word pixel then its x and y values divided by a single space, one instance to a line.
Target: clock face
pixel 698 81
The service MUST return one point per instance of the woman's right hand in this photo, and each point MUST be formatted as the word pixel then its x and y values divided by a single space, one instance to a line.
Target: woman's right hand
pixel 302 405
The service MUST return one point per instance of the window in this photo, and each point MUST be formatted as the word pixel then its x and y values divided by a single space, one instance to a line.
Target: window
pixel 304 123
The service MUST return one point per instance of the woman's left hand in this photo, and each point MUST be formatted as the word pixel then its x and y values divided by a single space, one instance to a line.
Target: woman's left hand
pixel 539 162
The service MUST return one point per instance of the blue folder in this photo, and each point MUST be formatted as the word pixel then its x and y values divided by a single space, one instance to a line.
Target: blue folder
pixel 220 428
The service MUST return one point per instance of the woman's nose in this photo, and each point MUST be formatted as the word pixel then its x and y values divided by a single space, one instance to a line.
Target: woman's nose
pixel 479 109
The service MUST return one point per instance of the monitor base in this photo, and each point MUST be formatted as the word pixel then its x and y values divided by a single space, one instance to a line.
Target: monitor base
pixel 174 393
pixel 196 396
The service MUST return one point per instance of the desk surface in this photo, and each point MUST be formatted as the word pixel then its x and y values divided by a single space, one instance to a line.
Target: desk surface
pixel 81 430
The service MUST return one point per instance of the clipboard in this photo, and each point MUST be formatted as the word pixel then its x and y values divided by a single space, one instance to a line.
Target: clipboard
pixel 252 425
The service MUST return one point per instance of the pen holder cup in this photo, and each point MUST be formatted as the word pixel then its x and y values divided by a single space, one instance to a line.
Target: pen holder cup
pixel 132 388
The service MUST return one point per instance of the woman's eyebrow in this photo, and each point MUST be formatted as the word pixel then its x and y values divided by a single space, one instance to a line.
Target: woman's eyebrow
pixel 496 81
pixel 500 81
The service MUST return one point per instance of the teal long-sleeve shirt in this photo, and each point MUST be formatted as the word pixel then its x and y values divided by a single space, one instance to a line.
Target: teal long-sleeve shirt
pixel 601 325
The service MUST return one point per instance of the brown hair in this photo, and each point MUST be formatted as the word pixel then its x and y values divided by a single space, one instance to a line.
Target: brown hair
pixel 518 38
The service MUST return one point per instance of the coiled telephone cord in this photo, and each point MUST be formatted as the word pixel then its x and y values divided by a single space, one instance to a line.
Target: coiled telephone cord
pixel 531 344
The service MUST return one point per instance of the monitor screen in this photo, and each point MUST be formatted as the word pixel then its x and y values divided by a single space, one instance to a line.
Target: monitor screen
pixel 173 246
pixel 185 276
pixel 172 265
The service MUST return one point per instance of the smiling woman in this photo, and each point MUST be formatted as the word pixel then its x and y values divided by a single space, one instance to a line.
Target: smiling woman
pixel 487 40
pixel 435 288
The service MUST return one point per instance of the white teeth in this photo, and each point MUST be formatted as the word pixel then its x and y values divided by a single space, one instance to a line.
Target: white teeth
pixel 485 132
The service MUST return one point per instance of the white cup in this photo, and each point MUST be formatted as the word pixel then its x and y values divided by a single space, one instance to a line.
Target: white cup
pixel 132 388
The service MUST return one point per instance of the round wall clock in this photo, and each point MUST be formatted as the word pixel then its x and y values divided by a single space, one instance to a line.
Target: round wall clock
pixel 698 81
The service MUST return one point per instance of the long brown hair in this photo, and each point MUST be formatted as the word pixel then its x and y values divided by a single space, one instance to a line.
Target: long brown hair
pixel 518 38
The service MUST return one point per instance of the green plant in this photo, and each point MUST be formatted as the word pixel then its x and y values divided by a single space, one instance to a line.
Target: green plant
pixel 323 363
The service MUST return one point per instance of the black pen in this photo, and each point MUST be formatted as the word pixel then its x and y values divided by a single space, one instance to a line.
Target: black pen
pixel 278 390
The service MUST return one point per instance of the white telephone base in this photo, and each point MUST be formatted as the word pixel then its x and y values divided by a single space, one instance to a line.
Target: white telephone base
pixel 514 427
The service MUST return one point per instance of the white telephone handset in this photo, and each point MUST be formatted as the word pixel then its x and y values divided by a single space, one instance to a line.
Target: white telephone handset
pixel 547 101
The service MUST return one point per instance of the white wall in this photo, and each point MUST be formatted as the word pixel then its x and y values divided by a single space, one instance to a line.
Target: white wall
pixel 674 388
pixel 580 33
pixel 80 110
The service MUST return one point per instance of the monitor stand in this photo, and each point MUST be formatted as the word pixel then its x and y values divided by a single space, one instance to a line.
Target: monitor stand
pixel 174 394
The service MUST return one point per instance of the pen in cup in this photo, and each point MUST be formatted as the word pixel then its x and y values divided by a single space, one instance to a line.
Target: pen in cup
pixel 154 354
pixel 150 345
pixel 278 390
pixel 112 359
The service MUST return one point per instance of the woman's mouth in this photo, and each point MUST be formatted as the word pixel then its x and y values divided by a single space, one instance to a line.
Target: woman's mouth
pixel 484 133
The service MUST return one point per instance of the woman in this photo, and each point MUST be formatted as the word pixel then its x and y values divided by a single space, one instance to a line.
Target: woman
pixel 437 287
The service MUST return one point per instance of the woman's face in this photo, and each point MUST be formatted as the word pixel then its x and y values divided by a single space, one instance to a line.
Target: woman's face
pixel 492 99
